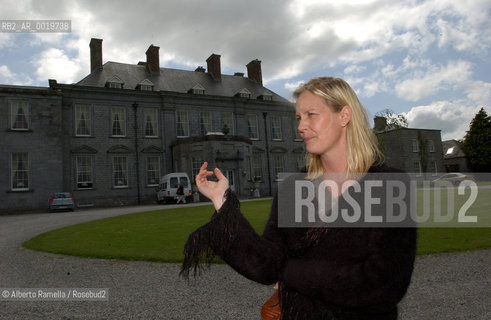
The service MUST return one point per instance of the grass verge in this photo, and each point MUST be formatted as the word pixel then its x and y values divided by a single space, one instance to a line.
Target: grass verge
pixel 160 235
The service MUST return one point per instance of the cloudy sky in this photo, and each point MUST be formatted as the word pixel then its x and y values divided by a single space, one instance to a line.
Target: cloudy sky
pixel 429 60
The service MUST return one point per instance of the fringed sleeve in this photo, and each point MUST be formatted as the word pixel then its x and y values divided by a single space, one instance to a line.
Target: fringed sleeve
pixel 229 236
pixel 212 238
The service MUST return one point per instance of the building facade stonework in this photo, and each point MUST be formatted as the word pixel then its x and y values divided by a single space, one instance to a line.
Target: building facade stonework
pixel 110 137
pixel 31 141
pixel 416 151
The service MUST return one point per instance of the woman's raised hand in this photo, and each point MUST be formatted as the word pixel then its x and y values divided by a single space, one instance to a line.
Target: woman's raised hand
pixel 213 190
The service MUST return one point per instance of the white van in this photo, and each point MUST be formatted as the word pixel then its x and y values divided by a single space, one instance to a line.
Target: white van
pixel 167 191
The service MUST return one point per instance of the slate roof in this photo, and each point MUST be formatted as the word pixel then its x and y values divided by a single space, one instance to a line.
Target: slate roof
pixel 175 80
pixel 452 149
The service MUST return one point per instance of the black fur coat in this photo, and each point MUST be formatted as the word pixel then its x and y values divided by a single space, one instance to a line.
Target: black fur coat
pixel 323 273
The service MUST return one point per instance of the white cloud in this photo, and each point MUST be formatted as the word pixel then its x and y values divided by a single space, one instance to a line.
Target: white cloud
pixel 452 118
pixel 292 86
pixel 435 79
pixel 354 69
pixel 55 64
pixel 7 76
pixel 478 91
pixel 292 39
pixel 5 40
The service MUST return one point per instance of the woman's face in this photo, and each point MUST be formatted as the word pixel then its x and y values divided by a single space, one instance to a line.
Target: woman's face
pixel 322 129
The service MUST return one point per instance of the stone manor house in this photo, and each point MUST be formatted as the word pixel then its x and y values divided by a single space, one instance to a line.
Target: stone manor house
pixel 111 136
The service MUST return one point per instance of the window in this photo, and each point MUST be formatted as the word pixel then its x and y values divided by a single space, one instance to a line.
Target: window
pixel 431 145
pixel 300 163
pixel 182 124
pixel 120 172
pixel 197 89
pixel 20 171
pixel 82 120
pixel 150 124
pixel 145 85
pixel 195 166
pixel 118 115
pixel 434 168
pixel 228 120
pixel 84 172
pixel 153 170
pixel 19 115
pixel 173 182
pixel 257 171
pixel 252 126
pixel 278 165
pixel 115 85
pixel 415 145
pixel 296 134
pixel 276 128
pixel 417 167
pixel 205 122
pixel 266 96
pixel 244 93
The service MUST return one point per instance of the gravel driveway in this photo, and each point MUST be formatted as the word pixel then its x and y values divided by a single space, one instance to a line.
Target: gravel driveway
pixel 444 286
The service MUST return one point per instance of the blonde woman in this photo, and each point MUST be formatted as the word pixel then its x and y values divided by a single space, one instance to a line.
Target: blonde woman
pixel 322 272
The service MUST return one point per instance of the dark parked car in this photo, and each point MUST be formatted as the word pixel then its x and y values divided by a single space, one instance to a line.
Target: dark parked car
pixel 61 201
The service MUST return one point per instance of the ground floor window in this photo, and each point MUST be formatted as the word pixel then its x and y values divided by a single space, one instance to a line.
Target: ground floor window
pixel 153 170
pixel 20 171
pixel 196 165
pixel 300 163
pixel 84 172
pixel 120 172
pixel 417 167
pixel 257 171
pixel 278 164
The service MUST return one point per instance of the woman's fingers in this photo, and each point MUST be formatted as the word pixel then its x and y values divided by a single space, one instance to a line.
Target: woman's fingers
pixel 219 174
pixel 203 174
pixel 203 166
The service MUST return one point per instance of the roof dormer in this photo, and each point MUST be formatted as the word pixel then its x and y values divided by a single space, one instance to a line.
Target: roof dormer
pixel 243 93
pixel 266 96
pixel 115 83
pixel 197 89
pixel 145 85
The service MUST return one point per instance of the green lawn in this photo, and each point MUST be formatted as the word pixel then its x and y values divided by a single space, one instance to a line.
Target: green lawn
pixel 151 236
pixel 160 235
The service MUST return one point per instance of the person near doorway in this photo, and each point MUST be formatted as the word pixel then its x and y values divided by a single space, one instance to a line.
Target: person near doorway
pixel 180 194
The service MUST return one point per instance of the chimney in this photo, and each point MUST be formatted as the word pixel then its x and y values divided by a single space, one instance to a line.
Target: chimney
pixel 254 71
pixel 95 54
pixel 380 124
pixel 213 64
pixel 153 62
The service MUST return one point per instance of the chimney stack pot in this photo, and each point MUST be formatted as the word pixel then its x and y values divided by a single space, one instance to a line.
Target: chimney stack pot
pixel 95 54
pixel 153 60
pixel 254 71
pixel 213 64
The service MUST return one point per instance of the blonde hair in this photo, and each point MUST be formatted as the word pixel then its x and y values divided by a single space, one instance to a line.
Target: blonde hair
pixel 362 144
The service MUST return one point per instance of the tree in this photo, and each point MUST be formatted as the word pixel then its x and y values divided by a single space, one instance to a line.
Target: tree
pixel 477 143
pixel 392 120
